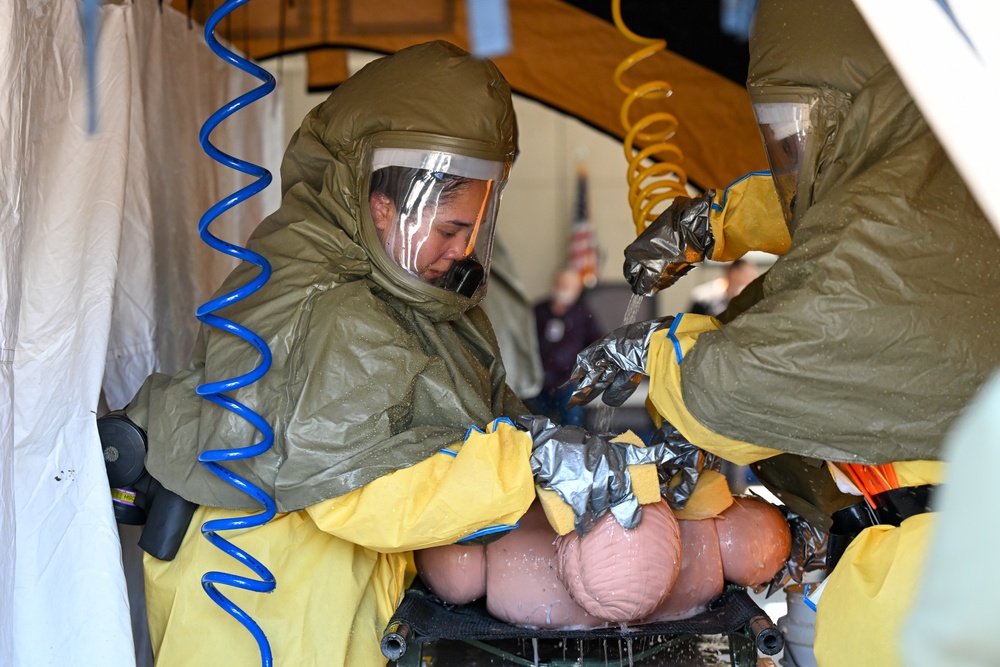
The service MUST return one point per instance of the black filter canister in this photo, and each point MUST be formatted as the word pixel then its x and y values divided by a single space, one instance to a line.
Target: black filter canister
pixel 124 447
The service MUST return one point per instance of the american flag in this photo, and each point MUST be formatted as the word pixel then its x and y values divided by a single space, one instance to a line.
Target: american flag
pixel 583 242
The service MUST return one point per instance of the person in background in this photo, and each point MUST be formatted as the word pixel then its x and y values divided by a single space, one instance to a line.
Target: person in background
pixel 713 297
pixel 565 327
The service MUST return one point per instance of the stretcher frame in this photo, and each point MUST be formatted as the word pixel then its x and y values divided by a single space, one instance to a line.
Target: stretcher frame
pixel 422 617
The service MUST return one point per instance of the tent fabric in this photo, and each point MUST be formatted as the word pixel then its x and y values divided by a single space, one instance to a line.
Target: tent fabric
pixel 13 36
pixel 97 260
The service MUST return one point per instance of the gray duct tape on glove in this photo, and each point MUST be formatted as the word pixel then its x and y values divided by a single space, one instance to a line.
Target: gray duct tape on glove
pixel 590 472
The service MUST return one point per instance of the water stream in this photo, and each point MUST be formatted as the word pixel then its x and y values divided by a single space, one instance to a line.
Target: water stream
pixel 605 412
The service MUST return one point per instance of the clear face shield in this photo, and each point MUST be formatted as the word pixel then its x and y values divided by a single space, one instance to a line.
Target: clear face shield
pixel 434 213
pixel 795 124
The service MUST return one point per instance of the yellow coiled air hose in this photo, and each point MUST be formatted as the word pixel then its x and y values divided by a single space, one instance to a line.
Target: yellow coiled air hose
pixel 664 179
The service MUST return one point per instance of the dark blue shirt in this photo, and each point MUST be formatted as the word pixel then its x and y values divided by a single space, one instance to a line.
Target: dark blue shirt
pixel 561 338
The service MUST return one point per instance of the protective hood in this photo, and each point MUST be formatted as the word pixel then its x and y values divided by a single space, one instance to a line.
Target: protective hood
pixel 432 96
pixel 870 335
pixel 806 71
pixel 373 369
pixel 823 44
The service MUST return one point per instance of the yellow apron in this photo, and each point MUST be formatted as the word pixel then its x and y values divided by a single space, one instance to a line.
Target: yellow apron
pixel 340 565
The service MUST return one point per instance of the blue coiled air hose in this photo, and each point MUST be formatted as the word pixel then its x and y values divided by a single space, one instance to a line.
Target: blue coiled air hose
pixel 214 391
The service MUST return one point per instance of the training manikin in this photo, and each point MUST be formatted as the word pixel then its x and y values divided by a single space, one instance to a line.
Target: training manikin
pixel 663 570
pixel 866 338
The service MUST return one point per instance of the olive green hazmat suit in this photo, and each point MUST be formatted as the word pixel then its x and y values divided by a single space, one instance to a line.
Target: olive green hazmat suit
pixel 383 393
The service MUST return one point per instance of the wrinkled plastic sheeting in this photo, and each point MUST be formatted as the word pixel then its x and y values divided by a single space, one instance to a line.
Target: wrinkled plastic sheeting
pixel 68 594
pixel 13 41
pixel 6 484
pixel 809 545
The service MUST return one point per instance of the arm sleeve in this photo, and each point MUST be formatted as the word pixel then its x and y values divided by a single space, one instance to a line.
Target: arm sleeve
pixel 481 482
pixel 666 351
pixel 747 216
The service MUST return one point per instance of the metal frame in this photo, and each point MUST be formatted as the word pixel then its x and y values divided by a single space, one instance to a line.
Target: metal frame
pixel 403 642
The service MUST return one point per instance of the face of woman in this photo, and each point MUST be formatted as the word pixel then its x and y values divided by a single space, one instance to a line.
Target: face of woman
pixel 436 233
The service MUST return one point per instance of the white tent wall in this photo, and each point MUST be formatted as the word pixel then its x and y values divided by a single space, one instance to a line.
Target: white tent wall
pixel 11 39
pixel 101 272
pixel 948 56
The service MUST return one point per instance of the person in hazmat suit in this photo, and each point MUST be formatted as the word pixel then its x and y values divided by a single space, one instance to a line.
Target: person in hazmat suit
pixel 864 341
pixel 391 419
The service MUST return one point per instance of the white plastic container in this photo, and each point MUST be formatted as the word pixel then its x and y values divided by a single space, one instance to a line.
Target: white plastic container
pixel 798 627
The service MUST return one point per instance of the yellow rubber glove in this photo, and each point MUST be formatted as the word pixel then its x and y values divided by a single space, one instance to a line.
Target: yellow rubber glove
pixel 747 216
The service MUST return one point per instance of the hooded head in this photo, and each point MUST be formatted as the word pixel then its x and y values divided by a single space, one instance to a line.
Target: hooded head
pixel 406 160
pixel 809 62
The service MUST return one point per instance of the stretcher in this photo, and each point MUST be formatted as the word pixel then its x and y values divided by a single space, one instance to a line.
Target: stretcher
pixel 422 617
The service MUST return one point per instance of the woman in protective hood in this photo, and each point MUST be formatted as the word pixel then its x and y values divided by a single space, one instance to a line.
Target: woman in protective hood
pixel 385 387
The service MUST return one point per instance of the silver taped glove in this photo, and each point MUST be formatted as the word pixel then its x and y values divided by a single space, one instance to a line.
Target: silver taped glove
pixel 615 364
pixel 809 546
pixel 670 246
pixel 587 471
pixel 677 457
pixel 590 472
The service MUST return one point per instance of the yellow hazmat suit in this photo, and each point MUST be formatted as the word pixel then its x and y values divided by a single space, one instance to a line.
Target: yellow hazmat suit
pixel 383 393
pixel 339 564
